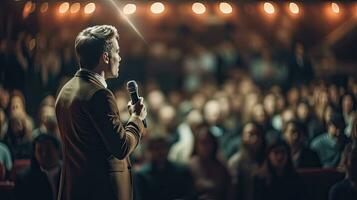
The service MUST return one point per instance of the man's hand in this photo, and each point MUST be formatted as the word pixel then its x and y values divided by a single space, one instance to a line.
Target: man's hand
pixel 138 109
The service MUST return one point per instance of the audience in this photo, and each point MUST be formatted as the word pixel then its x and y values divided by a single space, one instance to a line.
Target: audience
pixel 277 179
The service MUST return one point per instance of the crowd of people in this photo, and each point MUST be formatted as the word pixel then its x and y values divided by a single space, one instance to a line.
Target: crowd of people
pixel 221 125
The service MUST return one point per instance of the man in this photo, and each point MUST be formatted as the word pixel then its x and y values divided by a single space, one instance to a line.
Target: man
pixel 96 145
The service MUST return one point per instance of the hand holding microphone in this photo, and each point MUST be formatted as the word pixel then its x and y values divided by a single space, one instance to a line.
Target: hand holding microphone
pixel 136 105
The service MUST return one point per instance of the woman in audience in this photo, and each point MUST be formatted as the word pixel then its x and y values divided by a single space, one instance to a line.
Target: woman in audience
pixel 244 163
pixel 211 176
pixel 277 179
pixel 302 156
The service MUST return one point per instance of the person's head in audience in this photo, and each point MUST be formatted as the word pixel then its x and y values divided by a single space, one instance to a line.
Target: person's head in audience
pixel 167 116
pixel 253 141
pixel 303 111
pixel 17 103
pixel 328 112
pixel 18 127
pixel 158 148
pixel 293 96
pixel 205 144
pixel 348 103
pixel 259 115
pixel 287 115
pixel 334 94
pixel 278 161
pixel 194 119
pixel 270 104
pixel 294 134
pixel 46 152
pixel 212 112
pixel 336 126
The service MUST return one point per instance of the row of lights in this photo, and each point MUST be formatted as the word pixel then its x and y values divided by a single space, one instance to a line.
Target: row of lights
pixel 224 7
pixel 158 8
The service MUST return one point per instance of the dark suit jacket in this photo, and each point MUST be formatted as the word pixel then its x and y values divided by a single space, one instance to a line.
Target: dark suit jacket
pixel 96 145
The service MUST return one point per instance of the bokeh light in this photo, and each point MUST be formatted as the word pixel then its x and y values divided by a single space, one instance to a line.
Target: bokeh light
pixel 75 8
pixel 44 7
pixel 157 8
pixel 294 8
pixel 129 9
pixel 64 7
pixel 225 8
pixel 89 8
pixel 335 8
pixel 269 8
pixel 198 8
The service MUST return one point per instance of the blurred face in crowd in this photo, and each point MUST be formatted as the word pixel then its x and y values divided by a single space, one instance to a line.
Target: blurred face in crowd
pixel 259 115
pixel 328 114
pixel 332 130
pixel 286 116
pixel 46 112
pixel 302 111
pixel 17 126
pixel 158 151
pixel 291 135
pixel 204 145
pixel 166 115
pixel 293 96
pixel 270 104
pixel 212 112
pixel 16 105
pixel 46 154
pixel 333 94
pixel 251 137
pixel 278 157
pixel 347 104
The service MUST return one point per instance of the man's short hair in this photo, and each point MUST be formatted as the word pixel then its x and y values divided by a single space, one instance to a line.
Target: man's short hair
pixel 92 42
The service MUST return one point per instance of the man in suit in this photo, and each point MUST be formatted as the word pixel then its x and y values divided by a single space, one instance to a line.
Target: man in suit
pixel 96 145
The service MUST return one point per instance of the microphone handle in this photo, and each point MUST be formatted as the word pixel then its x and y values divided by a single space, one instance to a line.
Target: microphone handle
pixel 135 98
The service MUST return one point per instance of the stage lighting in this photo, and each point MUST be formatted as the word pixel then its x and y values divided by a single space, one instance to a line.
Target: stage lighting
pixel 225 8
pixel 63 7
pixel 75 8
pixel 129 9
pixel 44 7
pixel 294 8
pixel 269 8
pixel 335 8
pixel 198 8
pixel 89 8
pixel 157 8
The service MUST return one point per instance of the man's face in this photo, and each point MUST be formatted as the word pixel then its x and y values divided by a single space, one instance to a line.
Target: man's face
pixel 114 60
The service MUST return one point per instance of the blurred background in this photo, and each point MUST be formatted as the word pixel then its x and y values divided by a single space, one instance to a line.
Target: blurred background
pixel 246 99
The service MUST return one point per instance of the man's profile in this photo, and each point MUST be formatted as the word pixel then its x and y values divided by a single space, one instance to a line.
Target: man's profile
pixel 96 145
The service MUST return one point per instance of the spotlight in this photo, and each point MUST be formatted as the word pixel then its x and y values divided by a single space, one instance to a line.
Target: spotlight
pixel 294 8
pixel 269 8
pixel 89 8
pixel 129 9
pixel 225 8
pixel 63 7
pixel 75 8
pixel 198 8
pixel 44 7
pixel 335 8
pixel 157 8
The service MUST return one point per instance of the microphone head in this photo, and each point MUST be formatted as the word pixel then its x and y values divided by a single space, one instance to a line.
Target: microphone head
pixel 132 86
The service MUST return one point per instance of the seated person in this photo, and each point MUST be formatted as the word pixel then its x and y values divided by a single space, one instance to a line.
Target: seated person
pixel 41 180
pixel 303 156
pixel 347 189
pixel 160 178
pixel 330 145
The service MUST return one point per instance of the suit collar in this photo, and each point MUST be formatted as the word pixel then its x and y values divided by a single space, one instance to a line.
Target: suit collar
pixel 85 73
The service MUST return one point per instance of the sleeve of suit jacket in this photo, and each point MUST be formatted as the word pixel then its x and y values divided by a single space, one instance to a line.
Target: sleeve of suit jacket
pixel 119 140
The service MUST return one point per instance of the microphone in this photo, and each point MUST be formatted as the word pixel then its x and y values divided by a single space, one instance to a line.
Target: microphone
pixel 132 88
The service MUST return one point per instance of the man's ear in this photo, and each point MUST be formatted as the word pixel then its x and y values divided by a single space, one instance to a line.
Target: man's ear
pixel 106 58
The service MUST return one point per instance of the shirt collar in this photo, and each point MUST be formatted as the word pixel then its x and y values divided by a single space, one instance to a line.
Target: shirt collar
pixel 97 76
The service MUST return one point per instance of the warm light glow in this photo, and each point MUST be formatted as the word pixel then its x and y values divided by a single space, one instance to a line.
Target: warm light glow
pixel 129 9
pixel 89 8
pixel 335 8
pixel 28 9
pixel 198 8
pixel 44 7
pixel 269 8
pixel 294 8
pixel 157 8
pixel 63 7
pixel 75 8
pixel 225 8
